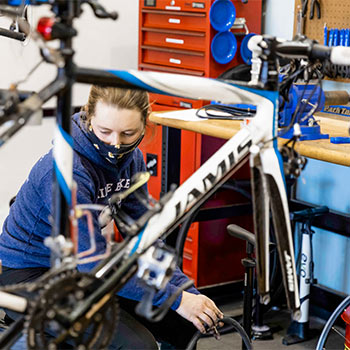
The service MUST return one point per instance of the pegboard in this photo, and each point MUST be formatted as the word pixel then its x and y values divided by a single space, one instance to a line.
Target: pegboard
pixel 334 14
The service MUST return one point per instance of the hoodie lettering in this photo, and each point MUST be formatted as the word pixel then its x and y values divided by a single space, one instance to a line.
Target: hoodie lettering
pixel 113 187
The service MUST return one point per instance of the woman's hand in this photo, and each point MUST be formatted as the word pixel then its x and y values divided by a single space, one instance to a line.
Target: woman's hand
pixel 200 310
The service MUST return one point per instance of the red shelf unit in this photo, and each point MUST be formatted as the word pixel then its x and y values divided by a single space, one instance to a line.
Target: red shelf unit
pixel 175 37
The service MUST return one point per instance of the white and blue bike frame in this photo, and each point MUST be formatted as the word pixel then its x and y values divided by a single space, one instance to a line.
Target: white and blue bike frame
pixel 256 140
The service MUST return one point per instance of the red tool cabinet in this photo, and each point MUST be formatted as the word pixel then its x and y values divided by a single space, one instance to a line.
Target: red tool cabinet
pixel 175 37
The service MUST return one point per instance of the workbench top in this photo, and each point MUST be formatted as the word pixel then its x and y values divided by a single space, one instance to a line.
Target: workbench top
pixel 317 149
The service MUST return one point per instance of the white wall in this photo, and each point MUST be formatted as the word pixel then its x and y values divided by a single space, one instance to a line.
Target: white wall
pixel 18 156
pixel 101 44
pixel 279 18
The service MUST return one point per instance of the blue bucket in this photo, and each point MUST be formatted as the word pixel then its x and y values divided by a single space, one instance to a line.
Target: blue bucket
pixel 224 47
pixel 222 15
pixel 246 54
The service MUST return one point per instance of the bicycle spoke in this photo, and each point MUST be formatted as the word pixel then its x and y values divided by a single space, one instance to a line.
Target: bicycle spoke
pixel 338 332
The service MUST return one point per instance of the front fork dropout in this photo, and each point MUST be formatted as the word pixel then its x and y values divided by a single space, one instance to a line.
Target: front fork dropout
pixel 269 192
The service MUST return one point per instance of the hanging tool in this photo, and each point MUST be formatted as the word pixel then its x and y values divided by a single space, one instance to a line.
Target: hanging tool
pixel 342 37
pixel 304 7
pixel 347 37
pixel 300 21
pixel 315 4
pixel 336 37
pixel 331 35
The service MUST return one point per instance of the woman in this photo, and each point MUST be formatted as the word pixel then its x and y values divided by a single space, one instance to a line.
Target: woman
pixel 106 135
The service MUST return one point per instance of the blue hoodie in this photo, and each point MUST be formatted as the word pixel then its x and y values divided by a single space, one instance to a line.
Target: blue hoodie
pixel 28 223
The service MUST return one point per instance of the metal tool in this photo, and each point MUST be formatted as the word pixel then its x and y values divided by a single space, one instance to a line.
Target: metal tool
pixel 347 37
pixel 336 37
pixel 325 35
pixel 340 139
pixel 330 38
pixel 315 4
pixel 304 7
pixel 300 21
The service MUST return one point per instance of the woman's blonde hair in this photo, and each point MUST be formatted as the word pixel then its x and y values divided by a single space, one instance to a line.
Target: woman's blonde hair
pixel 120 98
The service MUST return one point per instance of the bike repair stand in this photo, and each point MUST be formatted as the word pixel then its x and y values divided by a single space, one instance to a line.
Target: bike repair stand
pixel 298 331
pixel 259 330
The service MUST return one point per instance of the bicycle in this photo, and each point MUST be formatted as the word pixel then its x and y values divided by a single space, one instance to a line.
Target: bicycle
pixel 138 253
pixel 335 333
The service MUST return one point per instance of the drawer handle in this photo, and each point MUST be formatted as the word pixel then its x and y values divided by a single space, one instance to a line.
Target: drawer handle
pixel 187 256
pixel 174 8
pixel 174 41
pixel 174 60
pixel 174 20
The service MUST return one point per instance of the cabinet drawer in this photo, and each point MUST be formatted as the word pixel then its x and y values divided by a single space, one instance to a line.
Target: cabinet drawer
pixel 176 102
pixel 195 41
pixel 178 5
pixel 153 67
pixel 172 58
pixel 166 20
pixel 188 265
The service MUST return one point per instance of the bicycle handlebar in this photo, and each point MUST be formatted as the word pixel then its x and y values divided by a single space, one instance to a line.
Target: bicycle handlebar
pixel 301 47
pixel 309 49
pixel 304 49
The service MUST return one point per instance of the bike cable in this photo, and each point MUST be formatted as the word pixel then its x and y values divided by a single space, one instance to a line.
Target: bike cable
pixel 225 112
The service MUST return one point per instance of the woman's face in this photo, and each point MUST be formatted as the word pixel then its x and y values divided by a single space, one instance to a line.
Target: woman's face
pixel 116 126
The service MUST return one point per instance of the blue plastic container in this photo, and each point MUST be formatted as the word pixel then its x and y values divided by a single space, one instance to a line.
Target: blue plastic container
pixel 224 47
pixel 246 54
pixel 222 15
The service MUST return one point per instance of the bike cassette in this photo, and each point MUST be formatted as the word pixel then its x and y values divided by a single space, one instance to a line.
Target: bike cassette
pixel 48 327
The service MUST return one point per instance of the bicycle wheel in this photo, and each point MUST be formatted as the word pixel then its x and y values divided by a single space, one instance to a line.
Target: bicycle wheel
pixel 333 333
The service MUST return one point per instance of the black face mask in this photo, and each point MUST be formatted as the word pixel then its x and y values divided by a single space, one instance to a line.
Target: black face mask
pixel 112 153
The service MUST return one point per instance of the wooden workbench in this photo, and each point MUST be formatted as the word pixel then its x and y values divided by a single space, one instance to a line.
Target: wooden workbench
pixel 317 149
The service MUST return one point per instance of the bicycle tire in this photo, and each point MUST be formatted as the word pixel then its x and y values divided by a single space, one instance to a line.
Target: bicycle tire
pixel 226 320
pixel 329 326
